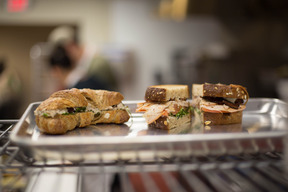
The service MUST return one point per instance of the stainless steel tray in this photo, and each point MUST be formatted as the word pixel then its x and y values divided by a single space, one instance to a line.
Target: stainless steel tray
pixel 263 129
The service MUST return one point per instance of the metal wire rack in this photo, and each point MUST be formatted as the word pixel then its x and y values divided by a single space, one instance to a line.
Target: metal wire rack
pixel 256 171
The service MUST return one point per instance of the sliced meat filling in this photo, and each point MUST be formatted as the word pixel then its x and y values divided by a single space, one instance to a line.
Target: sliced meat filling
pixel 221 101
pixel 153 111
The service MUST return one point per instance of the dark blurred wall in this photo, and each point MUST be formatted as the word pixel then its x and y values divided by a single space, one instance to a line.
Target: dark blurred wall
pixel 260 42
pixel 16 42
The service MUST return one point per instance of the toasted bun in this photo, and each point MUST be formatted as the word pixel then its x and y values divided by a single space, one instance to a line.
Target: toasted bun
pixel 170 122
pixel 162 93
pixel 220 90
pixel 221 118
pixel 101 98
pixel 113 116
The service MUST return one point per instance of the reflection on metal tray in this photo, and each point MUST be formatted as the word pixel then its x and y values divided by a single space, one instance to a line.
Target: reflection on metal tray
pixel 262 129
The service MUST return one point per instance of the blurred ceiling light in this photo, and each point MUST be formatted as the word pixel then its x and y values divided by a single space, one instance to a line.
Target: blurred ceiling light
pixel 175 9
pixel 17 5
pixel 179 9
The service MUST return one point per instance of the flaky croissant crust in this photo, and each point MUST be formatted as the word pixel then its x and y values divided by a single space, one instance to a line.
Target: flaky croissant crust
pixel 100 99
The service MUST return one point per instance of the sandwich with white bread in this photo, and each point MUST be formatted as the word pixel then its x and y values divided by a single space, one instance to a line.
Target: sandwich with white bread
pixel 166 106
pixel 219 104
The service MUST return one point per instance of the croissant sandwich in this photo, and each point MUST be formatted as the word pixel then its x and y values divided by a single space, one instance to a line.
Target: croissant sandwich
pixel 67 109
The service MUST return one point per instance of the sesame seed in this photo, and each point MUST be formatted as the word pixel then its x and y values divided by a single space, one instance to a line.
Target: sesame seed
pixel 207 122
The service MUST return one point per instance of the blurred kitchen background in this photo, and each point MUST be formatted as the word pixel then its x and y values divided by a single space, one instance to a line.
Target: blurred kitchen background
pixel 148 42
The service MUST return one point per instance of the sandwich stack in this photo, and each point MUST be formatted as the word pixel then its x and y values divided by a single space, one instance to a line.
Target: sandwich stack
pixel 166 106
pixel 219 104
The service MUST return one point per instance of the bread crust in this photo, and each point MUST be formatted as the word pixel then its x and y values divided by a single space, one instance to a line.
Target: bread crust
pixel 84 119
pixel 113 116
pixel 155 94
pixel 60 124
pixel 74 95
pixel 63 99
pixel 162 93
pixel 219 90
pixel 55 104
pixel 169 122
pixel 221 118
pixel 102 99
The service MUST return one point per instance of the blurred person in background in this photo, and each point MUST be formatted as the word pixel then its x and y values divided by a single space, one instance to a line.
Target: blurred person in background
pixel 10 88
pixel 77 66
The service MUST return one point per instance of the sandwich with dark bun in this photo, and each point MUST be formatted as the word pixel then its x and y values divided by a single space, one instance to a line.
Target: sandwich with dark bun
pixel 166 106
pixel 219 104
